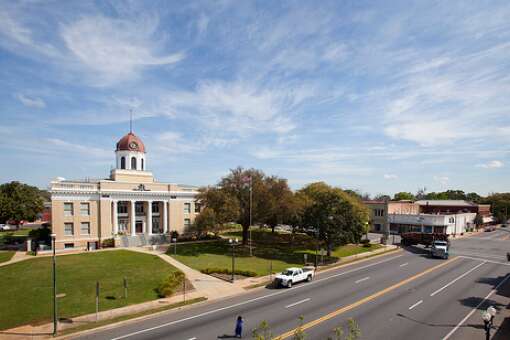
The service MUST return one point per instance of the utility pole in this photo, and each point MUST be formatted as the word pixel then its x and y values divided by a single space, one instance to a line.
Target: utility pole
pixel 251 199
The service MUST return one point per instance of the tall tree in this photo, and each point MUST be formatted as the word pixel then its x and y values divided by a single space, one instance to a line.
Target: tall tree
pixel 339 217
pixel 281 204
pixel 403 196
pixel 225 207
pixel 205 222
pixel 19 202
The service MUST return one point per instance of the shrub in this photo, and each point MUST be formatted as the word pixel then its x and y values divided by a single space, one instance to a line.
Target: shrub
pixel 170 284
pixel 108 243
pixel 246 273
pixel 365 242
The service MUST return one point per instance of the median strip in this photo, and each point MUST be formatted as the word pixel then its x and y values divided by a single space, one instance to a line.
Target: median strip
pixel 364 300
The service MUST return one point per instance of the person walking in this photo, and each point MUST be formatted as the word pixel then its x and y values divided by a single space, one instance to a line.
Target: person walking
pixel 239 327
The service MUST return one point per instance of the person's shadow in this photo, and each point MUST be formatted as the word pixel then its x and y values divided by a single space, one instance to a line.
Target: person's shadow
pixel 227 336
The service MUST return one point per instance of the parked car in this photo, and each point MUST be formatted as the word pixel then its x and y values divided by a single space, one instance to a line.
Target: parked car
pixel 294 275
pixel 490 228
pixel 5 227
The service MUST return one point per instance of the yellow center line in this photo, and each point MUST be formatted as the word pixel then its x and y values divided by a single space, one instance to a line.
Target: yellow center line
pixel 362 301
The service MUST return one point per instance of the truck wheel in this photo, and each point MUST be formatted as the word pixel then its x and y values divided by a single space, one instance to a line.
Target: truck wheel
pixel 309 278
pixel 289 284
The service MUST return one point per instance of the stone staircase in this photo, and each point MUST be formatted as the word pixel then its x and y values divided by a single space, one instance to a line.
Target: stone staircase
pixel 140 240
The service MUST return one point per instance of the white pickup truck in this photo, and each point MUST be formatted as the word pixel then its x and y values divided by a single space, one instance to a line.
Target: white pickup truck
pixel 294 275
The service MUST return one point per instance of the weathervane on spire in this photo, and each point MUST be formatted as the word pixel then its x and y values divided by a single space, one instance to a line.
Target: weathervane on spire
pixel 130 120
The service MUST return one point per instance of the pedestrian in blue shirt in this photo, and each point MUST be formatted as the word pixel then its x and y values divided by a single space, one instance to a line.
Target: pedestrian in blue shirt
pixel 239 327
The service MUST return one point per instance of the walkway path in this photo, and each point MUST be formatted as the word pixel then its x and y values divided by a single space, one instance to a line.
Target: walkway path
pixel 18 257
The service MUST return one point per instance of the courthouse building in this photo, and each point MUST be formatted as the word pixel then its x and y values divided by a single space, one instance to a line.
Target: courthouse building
pixel 130 206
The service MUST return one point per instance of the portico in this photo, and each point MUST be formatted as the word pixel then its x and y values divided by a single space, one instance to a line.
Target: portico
pixel 151 216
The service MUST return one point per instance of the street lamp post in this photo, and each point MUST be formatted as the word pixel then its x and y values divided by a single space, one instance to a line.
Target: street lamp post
pixel 233 243
pixel 53 237
pixel 488 317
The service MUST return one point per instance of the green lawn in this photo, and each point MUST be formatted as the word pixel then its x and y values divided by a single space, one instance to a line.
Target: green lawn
pixel 26 287
pixel 6 255
pixel 275 248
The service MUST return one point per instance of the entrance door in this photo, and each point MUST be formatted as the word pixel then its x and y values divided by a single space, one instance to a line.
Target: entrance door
pixel 139 227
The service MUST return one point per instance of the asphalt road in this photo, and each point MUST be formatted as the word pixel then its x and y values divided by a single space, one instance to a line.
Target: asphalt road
pixel 404 295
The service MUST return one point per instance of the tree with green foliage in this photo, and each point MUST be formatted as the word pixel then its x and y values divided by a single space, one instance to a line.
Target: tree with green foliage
pixel 478 221
pixel 19 202
pixel 339 217
pixel 281 201
pixel 224 206
pixel 205 222
pixel 403 196
pixel 500 206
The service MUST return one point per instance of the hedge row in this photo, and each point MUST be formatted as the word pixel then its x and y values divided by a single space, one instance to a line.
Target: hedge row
pixel 229 272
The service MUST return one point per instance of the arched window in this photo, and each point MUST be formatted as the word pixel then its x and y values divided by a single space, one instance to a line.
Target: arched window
pixel 133 163
pixel 142 164
pixel 123 162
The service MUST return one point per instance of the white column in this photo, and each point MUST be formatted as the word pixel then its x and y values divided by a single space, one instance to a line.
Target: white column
pixel 149 217
pixel 115 219
pixel 133 213
pixel 165 217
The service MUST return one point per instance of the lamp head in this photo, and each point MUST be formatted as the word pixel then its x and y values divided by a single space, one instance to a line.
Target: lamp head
pixel 53 236
pixel 492 311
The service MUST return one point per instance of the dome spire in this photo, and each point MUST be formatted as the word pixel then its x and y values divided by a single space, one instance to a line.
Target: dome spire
pixel 130 120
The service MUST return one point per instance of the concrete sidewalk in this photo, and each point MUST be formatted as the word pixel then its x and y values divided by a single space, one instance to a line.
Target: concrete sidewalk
pixel 208 286
pixel 18 257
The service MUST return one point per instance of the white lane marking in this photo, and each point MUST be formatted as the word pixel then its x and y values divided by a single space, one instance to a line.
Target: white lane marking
pixel 404 264
pixel 480 254
pixel 251 300
pixel 192 339
pixel 297 303
pixel 476 308
pixel 486 260
pixel 458 278
pixel 363 279
pixel 416 304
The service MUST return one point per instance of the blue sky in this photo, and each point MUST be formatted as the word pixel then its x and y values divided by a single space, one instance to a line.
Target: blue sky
pixel 380 96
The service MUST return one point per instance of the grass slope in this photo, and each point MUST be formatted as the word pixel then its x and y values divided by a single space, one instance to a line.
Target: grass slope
pixel 270 247
pixel 6 255
pixel 26 287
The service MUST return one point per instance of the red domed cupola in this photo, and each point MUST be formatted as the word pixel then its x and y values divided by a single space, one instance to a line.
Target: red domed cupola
pixel 130 142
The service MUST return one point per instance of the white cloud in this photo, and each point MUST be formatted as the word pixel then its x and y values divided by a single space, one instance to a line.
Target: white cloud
pixel 390 176
pixel 116 49
pixel 492 165
pixel 237 108
pixel 57 144
pixel 31 101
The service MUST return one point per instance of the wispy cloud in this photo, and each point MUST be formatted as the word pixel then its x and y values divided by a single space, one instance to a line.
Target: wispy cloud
pixel 31 101
pixel 390 176
pixel 491 165
pixel 116 48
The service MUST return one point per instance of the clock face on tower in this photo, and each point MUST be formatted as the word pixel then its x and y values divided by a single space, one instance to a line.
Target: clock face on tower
pixel 133 146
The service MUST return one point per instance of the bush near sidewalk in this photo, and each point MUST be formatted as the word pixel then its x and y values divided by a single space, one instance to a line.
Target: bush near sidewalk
pixel 6 255
pixel 26 287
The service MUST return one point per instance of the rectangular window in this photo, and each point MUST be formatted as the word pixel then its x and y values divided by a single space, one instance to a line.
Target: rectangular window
pixel 155 208
pixel 84 209
pixel 197 207
pixel 156 226
pixel 68 209
pixel 123 224
pixel 68 245
pixel 139 208
pixel 187 223
pixel 122 208
pixel 68 229
pixel 187 208
pixel 85 228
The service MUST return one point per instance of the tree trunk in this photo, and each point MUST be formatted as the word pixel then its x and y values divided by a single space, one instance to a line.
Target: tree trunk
pixel 328 249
